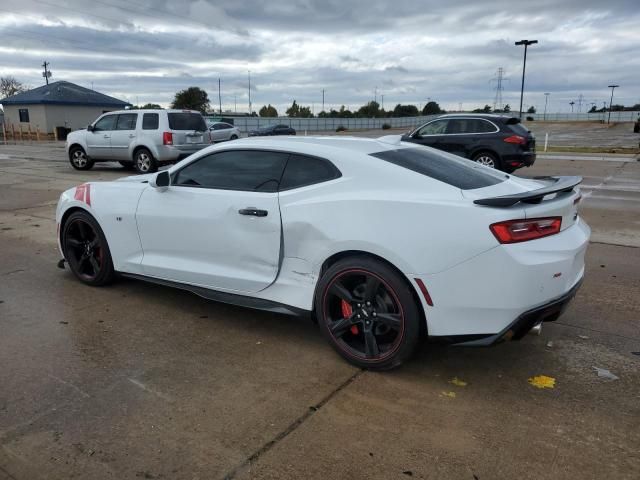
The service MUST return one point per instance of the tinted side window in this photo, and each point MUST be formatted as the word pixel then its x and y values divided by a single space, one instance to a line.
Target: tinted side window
pixel 186 121
pixel 447 168
pixel 481 126
pixel 248 170
pixel 127 121
pixel 434 128
pixel 150 121
pixel 106 123
pixel 302 170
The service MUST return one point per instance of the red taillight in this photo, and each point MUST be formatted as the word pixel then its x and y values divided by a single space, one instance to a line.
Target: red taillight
pixel 167 138
pixel 517 139
pixel 514 231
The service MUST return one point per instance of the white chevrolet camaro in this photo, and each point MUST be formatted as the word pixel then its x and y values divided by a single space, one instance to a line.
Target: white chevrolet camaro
pixel 382 242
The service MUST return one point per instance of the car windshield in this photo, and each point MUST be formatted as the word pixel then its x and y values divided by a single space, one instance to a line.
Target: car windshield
pixel 445 167
pixel 187 121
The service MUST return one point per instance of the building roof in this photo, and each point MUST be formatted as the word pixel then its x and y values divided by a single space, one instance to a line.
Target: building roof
pixel 64 93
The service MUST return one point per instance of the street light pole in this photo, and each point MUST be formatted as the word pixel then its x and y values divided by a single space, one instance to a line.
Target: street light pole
pixel 612 87
pixel 546 99
pixel 572 103
pixel 526 43
pixel 249 72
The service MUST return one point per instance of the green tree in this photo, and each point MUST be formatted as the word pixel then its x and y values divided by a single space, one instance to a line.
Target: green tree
pixel 593 109
pixel 345 112
pixel 193 98
pixel 432 108
pixel 147 106
pixel 531 109
pixel 268 111
pixel 293 110
pixel 296 110
pixel 485 109
pixel 405 111
pixel 507 108
pixel 371 109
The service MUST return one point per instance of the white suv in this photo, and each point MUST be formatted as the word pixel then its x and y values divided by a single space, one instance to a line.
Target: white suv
pixel 140 139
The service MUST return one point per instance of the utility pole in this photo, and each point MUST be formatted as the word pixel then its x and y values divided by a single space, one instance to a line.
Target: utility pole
pixel 572 103
pixel 249 92
pixel 375 94
pixel 235 104
pixel 219 97
pixel 497 101
pixel 526 43
pixel 546 99
pixel 580 100
pixel 323 99
pixel 382 102
pixel 47 73
pixel 612 87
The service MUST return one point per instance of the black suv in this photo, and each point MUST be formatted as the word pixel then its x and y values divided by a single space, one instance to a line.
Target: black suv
pixel 496 141
pixel 272 130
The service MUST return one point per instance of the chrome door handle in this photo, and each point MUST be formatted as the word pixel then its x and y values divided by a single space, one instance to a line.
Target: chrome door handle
pixel 256 212
pixel 131 135
pixel 106 136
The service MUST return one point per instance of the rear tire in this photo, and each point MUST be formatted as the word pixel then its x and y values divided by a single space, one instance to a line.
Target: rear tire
pixel 79 160
pixel 86 250
pixel 144 162
pixel 234 137
pixel 367 312
pixel 487 159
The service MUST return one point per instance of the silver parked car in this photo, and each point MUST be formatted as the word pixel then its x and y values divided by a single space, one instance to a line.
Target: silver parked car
pixel 140 139
pixel 223 131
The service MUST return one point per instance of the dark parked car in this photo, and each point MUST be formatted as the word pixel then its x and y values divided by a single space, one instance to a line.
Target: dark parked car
pixel 273 130
pixel 496 141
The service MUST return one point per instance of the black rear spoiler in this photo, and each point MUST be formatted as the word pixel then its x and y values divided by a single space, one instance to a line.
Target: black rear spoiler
pixel 561 184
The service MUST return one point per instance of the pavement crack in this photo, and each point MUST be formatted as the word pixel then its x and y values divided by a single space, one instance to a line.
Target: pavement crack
pixel 293 426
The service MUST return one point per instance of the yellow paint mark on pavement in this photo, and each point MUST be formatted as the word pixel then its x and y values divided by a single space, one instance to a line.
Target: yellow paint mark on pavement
pixel 449 394
pixel 457 382
pixel 542 381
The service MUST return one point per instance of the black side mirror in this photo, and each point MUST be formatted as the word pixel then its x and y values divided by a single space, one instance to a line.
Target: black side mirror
pixel 417 136
pixel 161 180
pixel 91 128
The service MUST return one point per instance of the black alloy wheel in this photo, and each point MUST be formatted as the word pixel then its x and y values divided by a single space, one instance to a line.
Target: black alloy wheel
pixel 86 250
pixel 368 313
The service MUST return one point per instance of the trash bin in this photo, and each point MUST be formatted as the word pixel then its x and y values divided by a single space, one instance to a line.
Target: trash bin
pixel 62 132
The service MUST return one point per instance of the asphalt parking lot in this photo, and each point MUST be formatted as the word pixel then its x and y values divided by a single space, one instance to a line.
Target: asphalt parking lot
pixel 142 381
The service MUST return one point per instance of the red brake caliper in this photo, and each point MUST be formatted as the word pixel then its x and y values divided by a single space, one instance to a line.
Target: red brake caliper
pixel 347 311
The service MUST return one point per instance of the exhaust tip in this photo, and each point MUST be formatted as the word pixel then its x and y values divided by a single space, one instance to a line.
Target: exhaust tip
pixel 536 329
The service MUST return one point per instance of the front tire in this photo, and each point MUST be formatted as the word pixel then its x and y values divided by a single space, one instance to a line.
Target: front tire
pixel 86 250
pixel 234 137
pixel 144 162
pixel 367 312
pixel 79 160
pixel 487 159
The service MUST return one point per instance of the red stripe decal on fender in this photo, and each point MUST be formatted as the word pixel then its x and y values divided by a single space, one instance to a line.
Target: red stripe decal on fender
pixel 80 190
pixel 87 197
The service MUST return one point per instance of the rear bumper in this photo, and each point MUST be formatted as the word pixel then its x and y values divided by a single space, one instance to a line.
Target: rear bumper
pixel 549 312
pixel 173 153
pixel 489 293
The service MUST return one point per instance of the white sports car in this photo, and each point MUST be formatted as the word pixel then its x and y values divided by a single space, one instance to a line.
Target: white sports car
pixel 383 242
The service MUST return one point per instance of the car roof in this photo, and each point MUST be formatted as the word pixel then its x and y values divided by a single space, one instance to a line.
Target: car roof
pixel 488 116
pixel 309 145
pixel 153 110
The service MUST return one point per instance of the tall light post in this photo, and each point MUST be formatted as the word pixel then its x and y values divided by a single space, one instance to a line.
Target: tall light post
pixel 612 87
pixel 546 99
pixel 323 99
pixel 249 72
pixel 572 103
pixel 526 43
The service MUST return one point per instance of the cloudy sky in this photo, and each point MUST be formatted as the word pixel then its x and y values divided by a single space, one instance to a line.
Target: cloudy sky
pixel 409 51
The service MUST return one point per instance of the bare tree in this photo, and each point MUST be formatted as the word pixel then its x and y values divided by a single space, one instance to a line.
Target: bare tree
pixel 10 86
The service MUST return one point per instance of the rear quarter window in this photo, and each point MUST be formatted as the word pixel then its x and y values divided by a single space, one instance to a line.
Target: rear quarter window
pixel 455 171
pixel 302 170
pixel 150 121
pixel 186 121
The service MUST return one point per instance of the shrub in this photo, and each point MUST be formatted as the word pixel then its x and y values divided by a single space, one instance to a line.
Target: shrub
pixel 530 119
pixel 341 128
pixel 386 126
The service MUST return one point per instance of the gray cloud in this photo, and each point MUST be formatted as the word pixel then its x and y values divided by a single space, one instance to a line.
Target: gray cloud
pixel 409 50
